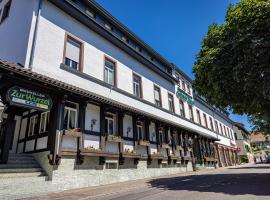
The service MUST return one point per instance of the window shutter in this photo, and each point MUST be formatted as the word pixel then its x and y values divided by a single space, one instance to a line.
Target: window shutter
pixel 73 50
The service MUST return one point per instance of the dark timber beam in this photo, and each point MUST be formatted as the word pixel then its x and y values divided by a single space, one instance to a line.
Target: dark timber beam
pixel 8 131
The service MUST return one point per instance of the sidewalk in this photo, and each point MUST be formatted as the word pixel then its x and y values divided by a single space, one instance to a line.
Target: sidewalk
pixel 99 191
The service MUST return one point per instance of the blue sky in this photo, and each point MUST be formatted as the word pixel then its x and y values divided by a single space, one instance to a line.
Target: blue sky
pixel 173 28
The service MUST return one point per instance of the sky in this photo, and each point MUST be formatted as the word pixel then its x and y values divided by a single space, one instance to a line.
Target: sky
pixel 174 28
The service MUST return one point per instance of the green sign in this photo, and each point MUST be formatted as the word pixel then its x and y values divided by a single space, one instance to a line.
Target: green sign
pixel 182 95
pixel 30 99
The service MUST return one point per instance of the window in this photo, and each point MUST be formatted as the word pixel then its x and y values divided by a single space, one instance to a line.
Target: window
pixel 157 96
pixel 171 102
pixel 225 133
pixel 109 72
pixel 32 125
pixel 183 85
pixel 188 89
pixel 109 124
pixel 229 134
pixel 221 130
pixel 191 117
pixel 6 11
pixel 211 123
pixel 216 125
pixel 205 120
pixel 44 122
pixel 182 108
pixel 73 53
pixel 161 136
pixel 140 131
pixel 70 118
pixel 137 86
pixel 199 117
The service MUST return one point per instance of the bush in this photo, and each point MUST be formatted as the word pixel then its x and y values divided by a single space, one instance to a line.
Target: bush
pixel 244 159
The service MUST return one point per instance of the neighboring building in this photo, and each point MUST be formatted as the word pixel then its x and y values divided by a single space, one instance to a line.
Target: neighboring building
pixel 242 137
pixel 89 93
pixel 260 141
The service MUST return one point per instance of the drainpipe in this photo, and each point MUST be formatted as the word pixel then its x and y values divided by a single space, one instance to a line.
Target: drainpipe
pixel 35 35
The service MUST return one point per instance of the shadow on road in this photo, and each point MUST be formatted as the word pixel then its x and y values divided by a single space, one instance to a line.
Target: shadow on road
pixel 257 184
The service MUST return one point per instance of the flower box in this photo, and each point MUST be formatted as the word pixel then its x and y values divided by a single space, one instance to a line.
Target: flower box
pixel 130 155
pixel 73 132
pixel 157 156
pixel 113 138
pixel 144 143
pixel 186 158
pixel 165 146
pixel 209 159
pixel 178 147
pixel 98 153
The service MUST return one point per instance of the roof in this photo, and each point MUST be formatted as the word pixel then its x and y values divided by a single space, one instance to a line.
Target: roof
pixel 28 73
pixel 242 127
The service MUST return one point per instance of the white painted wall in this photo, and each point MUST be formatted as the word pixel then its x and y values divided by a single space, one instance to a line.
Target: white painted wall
pixel 16 32
pixel 92 112
pixel 91 141
pixel 42 143
pixel 127 123
pixel 30 145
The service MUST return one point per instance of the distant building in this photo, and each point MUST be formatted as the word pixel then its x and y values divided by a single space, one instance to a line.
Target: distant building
pixel 260 140
pixel 242 137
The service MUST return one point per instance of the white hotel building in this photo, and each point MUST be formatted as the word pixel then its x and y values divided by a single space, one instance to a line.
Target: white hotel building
pixel 94 104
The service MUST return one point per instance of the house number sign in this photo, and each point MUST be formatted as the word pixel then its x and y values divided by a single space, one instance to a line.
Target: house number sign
pixel 30 99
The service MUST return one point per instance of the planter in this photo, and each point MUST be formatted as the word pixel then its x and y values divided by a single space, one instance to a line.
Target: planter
pixel 144 143
pixel 186 158
pixel 73 133
pixel 130 155
pixel 114 138
pixel 174 157
pixel 157 156
pixel 98 153
pixel 178 147
pixel 165 146
pixel 209 159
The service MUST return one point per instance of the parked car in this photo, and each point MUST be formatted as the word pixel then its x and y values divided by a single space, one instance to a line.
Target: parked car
pixel 267 159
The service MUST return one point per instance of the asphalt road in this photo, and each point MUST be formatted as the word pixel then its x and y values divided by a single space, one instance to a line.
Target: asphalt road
pixel 249 182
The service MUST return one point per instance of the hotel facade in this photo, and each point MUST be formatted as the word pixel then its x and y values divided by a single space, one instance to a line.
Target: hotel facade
pixel 94 104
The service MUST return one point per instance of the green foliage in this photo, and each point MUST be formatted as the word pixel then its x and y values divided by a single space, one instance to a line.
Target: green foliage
pixel 243 159
pixel 232 69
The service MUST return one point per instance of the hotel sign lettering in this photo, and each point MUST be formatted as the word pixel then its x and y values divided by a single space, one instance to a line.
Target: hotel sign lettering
pixel 29 99
pixel 180 94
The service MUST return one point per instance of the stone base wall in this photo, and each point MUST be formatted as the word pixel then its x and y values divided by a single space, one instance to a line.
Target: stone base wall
pixel 42 159
pixel 90 173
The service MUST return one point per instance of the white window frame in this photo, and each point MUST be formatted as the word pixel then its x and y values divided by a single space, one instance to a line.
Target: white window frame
pixel 108 70
pixel 76 115
pixel 45 122
pixel 137 85
pixel 113 122
pixel 139 125
pixel 31 129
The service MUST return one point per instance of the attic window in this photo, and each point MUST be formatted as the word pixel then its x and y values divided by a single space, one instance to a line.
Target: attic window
pixel 90 13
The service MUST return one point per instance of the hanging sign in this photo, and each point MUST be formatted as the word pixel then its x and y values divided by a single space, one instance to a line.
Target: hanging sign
pixel 30 99
pixel 181 94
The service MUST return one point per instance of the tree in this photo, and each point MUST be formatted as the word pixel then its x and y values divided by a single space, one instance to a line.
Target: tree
pixel 232 69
